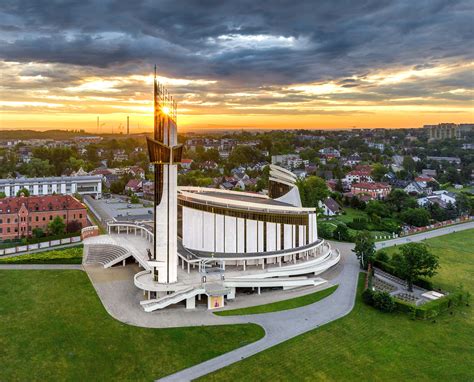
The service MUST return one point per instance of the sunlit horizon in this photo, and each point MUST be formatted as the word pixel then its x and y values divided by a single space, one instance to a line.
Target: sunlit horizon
pixel 366 66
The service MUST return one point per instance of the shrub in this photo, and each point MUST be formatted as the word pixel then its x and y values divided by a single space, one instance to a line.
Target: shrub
pixel 325 231
pixel 383 302
pixel 368 297
pixel 382 256
pixel 358 224
pixel 434 308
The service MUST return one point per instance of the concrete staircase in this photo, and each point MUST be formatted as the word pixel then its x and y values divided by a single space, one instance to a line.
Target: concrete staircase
pixel 174 298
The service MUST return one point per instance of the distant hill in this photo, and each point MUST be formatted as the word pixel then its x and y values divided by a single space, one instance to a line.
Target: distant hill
pixel 60 134
pixel 34 134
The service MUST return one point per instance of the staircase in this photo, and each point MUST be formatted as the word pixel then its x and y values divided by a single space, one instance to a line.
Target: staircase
pixel 105 254
pixel 174 298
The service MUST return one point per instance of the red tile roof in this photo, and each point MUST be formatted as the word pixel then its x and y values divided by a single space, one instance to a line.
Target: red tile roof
pixel 371 186
pixel 40 203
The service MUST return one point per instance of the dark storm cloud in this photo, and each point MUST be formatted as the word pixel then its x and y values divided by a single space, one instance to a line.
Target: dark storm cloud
pixel 330 39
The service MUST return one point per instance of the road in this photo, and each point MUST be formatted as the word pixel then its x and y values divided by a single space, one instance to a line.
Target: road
pixel 425 235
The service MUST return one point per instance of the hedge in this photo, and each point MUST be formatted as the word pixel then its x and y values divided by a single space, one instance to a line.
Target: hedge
pixel 433 308
pixel 389 268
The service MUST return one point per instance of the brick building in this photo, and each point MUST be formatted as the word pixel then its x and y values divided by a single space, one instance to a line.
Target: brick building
pixel 19 216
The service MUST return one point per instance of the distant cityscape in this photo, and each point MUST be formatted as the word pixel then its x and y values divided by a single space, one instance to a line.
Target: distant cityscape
pixel 433 166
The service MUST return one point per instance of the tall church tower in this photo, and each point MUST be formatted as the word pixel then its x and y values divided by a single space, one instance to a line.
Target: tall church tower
pixel 165 154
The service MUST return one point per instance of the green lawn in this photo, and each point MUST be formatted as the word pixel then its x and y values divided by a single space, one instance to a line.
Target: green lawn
pixel 71 255
pixel 54 328
pixel 456 254
pixel 280 305
pixel 368 345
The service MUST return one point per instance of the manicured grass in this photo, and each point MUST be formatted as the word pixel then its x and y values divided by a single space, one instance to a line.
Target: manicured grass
pixel 456 255
pixel 280 305
pixel 71 255
pixel 53 327
pixel 368 345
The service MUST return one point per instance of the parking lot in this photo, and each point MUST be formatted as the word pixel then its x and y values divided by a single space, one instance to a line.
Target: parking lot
pixel 120 208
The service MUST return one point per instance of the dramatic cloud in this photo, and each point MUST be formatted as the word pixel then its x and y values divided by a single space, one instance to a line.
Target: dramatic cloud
pixel 237 57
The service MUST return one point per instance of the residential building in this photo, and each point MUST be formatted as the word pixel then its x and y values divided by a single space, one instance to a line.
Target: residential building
pixel 454 160
pixel 329 207
pixel 186 163
pixel 134 185
pixel 374 190
pixel 19 216
pixel 69 185
pixel 443 131
pixel 357 176
pixel 441 197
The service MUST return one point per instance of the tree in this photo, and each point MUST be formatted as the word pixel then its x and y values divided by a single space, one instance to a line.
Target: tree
pixel 134 199
pixel 463 204
pixel 2 195
pixel 377 207
pixel 341 233
pixel 23 192
pixel 418 217
pixel 364 248
pixel 56 226
pixel 312 190
pixel 74 226
pixel 408 164
pixel 379 171
pixel 413 261
pixel 38 233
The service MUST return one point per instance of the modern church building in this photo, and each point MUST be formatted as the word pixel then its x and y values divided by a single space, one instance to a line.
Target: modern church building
pixel 211 243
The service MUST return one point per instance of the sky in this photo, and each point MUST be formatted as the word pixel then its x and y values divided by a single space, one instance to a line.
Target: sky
pixel 236 64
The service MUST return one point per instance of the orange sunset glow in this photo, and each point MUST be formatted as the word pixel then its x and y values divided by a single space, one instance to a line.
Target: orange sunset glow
pixel 236 73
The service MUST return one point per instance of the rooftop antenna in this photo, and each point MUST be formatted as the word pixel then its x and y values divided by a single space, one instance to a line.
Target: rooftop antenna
pixel 128 125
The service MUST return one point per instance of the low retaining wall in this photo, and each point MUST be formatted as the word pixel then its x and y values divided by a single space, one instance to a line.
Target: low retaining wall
pixel 44 244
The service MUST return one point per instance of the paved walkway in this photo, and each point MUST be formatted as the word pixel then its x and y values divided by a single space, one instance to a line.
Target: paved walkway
pixel 41 266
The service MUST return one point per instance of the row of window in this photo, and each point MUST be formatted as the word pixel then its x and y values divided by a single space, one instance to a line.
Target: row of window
pixel 23 219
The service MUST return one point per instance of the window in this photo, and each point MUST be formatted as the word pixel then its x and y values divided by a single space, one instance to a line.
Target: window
pixel 44 218
pixel 50 217
pixel 36 218
pixel 64 217
pixel 1 230
pixel 8 229
pixel 8 220
pixel 1 221
pixel 80 216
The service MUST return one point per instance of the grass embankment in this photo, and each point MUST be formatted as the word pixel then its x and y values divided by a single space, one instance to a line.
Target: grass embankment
pixel 280 305
pixel 71 255
pixel 54 328
pixel 370 345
